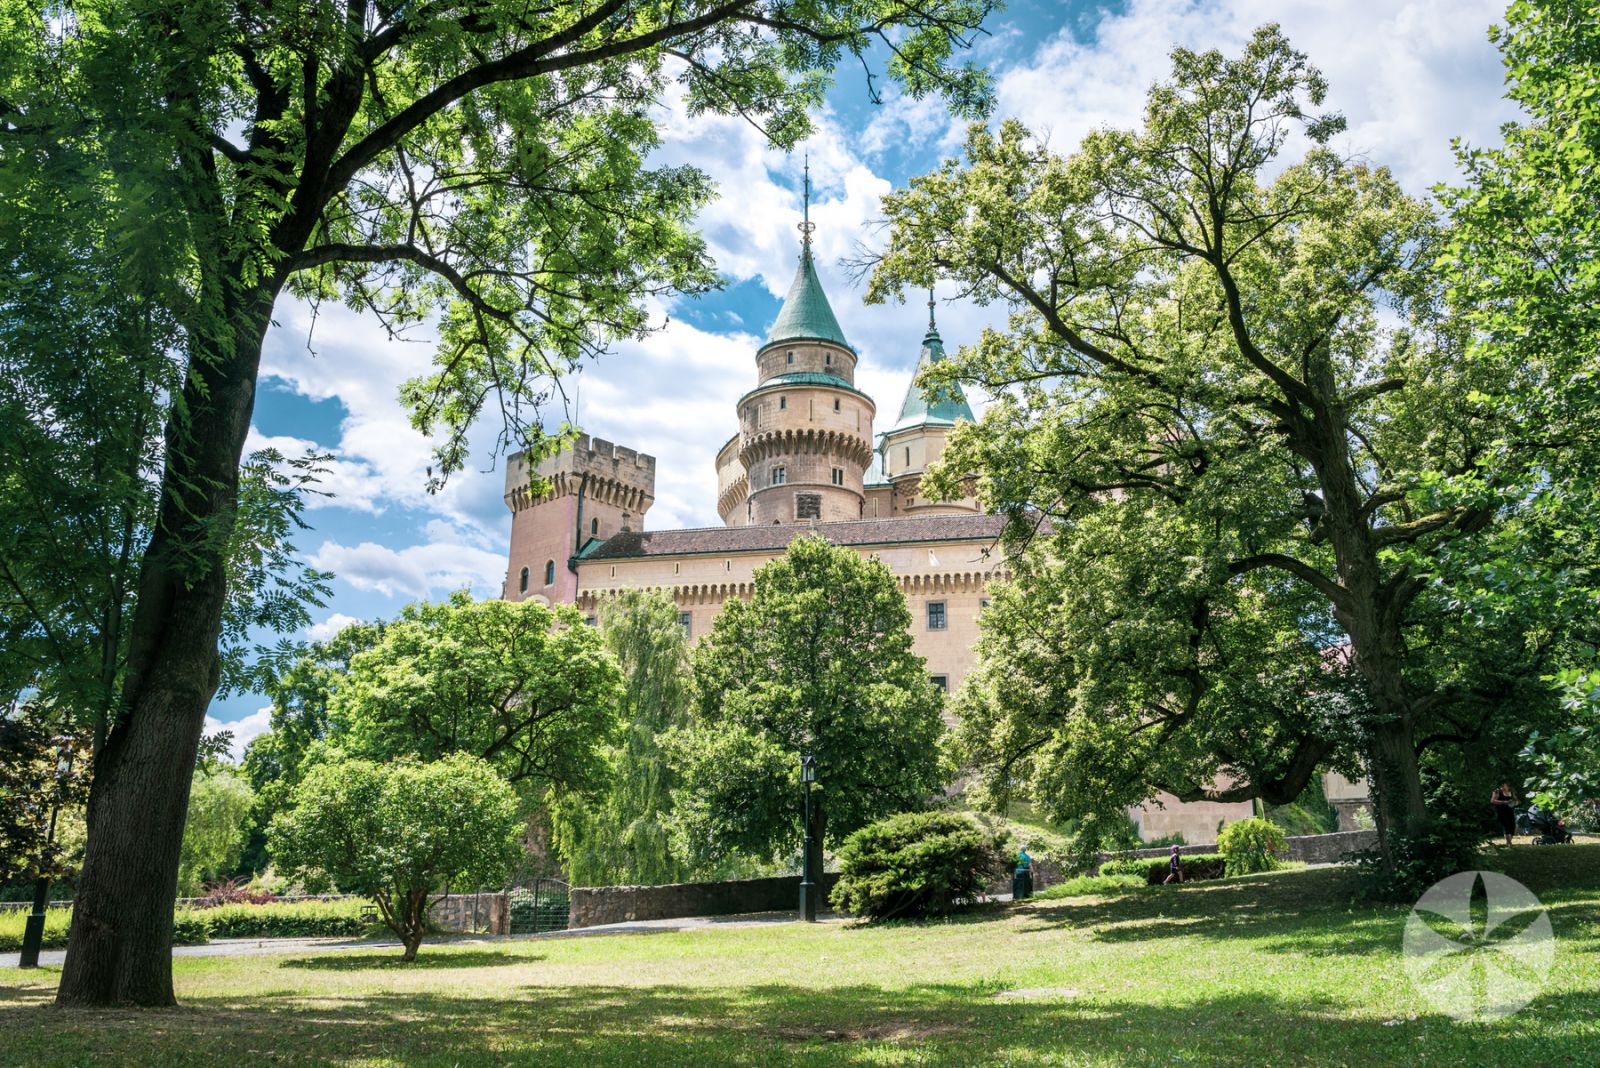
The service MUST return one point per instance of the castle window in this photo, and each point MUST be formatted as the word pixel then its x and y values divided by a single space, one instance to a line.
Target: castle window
pixel 936 617
pixel 675 568
pixel 523 586
pixel 941 681
pixel 592 621
pixel 783 403
pixel 613 570
pixel 836 404
pixel 908 455
pixel 828 359
pixel 791 357
pixel 727 565
pixel 779 476
pixel 686 621
pixel 549 572
pixel 983 604
pixel 808 506
pixel 838 476
pixel 594 527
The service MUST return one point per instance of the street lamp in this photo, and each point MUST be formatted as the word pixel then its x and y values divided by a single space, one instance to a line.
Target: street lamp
pixel 33 930
pixel 808 886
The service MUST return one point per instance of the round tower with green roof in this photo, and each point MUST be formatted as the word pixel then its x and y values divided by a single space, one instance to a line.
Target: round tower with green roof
pixel 917 438
pixel 805 430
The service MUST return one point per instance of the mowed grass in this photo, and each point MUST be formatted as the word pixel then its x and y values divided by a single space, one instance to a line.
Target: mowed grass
pixel 1280 969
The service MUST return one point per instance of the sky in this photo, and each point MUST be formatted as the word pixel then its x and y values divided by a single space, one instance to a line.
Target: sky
pixel 1408 76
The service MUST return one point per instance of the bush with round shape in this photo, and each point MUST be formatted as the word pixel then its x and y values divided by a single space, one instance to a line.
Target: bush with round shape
pixel 915 864
pixel 1250 846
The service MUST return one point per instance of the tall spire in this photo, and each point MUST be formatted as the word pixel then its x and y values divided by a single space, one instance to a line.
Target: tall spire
pixel 806 225
pixel 933 328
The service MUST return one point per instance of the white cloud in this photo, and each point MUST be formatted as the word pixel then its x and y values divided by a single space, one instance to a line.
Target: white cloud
pixel 418 571
pixel 1408 76
pixel 321 632
pixel 244 730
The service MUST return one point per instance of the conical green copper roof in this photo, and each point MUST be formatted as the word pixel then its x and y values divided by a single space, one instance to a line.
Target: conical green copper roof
pixel 806 313
pixel 952 403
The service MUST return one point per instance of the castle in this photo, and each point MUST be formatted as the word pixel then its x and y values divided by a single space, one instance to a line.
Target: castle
pixel 805 458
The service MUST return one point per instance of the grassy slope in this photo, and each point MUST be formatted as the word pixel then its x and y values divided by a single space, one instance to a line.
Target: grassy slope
pixel 1271 970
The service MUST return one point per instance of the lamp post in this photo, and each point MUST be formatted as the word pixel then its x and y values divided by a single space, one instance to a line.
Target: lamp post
pixel 33 930
pixel 808 886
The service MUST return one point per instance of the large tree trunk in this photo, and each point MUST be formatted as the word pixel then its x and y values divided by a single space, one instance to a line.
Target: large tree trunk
pixel 120 948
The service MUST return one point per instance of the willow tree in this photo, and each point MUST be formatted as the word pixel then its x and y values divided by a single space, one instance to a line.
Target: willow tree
pixel 618 835
pixel 479 164
pixel 1230 386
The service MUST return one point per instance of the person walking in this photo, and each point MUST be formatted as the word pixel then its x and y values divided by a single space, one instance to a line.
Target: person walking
pixel 1175 867
pixel 1503 801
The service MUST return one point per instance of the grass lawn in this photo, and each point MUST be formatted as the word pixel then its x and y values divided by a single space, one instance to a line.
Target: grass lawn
pixel 1276 969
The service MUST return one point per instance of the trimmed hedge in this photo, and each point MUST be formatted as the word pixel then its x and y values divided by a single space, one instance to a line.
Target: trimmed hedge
pixel 291 919
pixel 1154 869
pixel 186 929
pixel 192 927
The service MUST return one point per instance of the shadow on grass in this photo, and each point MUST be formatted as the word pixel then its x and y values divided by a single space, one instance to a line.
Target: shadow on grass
pixel 359 962
pixel 787 1024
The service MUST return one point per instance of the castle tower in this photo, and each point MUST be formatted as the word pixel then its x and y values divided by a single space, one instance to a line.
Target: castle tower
pixel 593 491
pixel 916 440
pixel 805 431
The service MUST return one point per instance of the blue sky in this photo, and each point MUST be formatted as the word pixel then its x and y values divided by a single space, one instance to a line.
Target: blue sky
pixel 1409 76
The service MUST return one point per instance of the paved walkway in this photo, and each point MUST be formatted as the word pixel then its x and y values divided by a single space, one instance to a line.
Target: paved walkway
pixel 243 947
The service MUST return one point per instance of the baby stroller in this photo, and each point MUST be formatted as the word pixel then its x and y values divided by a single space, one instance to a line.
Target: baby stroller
pixel 1546 827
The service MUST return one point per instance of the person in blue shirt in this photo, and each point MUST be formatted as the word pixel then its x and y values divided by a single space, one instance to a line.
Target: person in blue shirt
pixel 1175 867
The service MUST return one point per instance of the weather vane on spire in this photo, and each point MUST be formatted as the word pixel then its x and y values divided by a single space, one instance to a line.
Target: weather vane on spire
pixel 806 225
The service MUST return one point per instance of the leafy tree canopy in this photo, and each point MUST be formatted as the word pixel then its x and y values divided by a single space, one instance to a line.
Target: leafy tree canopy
pixel 221 804
pixel 818 662
pixel 620 836
pixel 42 772
pixel 1230 406
pixel 402 833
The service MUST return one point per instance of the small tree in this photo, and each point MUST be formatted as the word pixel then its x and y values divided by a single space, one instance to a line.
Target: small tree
pixel 220 807
pixel 1251 845
pixel 400 833
pixel 817 662
pixel 915 864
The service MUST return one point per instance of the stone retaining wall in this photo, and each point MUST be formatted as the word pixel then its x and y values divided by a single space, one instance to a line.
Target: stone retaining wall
pixel 472 914
pixel 594 905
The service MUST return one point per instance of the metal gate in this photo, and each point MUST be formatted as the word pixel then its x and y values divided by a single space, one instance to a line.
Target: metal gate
pixel 540 906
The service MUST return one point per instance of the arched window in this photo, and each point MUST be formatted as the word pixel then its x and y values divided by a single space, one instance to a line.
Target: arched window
pixel 549 572
pixel 836 404
pixel 594 527
pixel 783 402
pixel 523 585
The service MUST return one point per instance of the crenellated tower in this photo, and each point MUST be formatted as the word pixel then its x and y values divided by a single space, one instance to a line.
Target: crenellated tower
pixel 591 492
pixel 805 430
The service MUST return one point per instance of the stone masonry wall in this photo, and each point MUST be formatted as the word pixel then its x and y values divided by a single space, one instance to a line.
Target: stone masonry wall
pixel 472 914
pixel 594 905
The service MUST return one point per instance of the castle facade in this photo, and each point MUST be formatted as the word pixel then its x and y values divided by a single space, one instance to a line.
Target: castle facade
pixel 806 457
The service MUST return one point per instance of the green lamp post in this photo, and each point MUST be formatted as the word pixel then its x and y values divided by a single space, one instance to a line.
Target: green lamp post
pixel 808 885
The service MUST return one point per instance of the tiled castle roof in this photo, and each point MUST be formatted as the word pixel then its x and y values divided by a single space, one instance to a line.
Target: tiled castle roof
pixel 774 538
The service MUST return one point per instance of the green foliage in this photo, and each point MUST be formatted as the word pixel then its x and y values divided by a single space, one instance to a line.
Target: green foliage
pixel 221 804
pixel 620 837
pixel 1223 384
pixel 1092 885
pixel 41 772
pixel 400 833
pixel 915 864
pixel 1251 846
pixel 188 929
pixel 1155 870
pixel 527 688
pixel 287 919
pixel 817 662
pixel 1563 761
pixel 1420 857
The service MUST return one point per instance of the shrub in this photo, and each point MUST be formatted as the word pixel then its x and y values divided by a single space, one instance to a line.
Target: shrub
pixel 1154 869
pixel 1085 885
pixel 232 892
pixel 190 928
pixel 1435 849
pixel 915 864
pixel 286 919
pixel 1250 846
